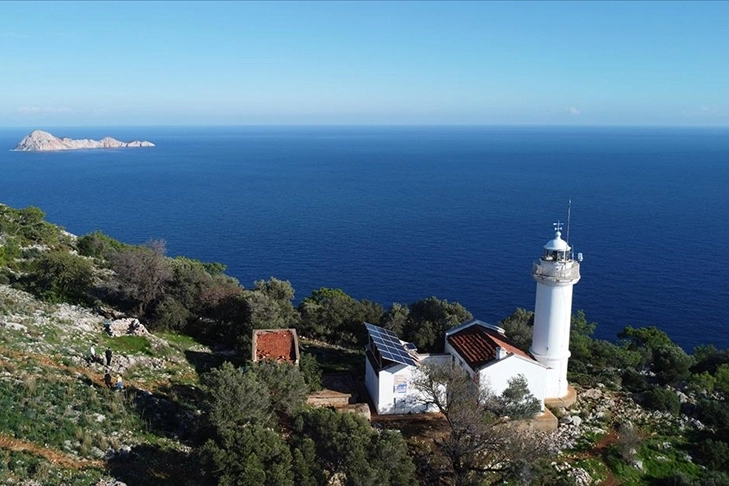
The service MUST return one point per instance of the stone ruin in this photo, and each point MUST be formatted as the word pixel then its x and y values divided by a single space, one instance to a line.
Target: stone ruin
pixel 129 326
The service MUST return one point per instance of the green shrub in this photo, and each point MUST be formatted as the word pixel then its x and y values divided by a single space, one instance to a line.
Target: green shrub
pixel 662 400
pixel 98 245
pixel 702 382
pixel 311 371
pixel 714 413
pixel 722 379
pixel 714 454
pixel 59 276
pixel 634 381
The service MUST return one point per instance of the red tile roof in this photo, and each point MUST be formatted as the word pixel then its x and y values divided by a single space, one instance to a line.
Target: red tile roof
pixel 275 344
pixel 477 345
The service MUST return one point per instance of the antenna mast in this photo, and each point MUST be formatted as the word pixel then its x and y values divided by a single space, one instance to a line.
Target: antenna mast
pixel 569 211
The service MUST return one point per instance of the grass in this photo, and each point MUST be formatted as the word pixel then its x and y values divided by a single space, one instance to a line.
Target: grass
pixel 179 341
pixel 23 468
pixel 131 345
pixel 52 411
pixel 335 359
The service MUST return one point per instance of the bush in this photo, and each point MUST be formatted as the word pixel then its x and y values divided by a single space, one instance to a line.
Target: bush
pixel 60 276
pixel 715 414
pixel 634 381
pixel 311 371
pixel 98 245
pixel 722 380
pixel 714 454
pixel 671 364
pixel 702 382
pixel 662 400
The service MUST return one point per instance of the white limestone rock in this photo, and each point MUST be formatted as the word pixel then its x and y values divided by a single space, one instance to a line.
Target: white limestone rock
pixel 40 141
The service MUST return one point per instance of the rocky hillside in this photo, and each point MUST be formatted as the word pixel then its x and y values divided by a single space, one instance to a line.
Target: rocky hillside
pixel 40 141
pixel 63 424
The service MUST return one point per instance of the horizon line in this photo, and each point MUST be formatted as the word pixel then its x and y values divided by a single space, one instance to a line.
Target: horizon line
pixel 366 125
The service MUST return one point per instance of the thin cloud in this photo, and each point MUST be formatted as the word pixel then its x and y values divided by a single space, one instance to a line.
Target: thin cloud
pixel 573 111
pixel 35 110
pixel 14 35
pixel 704 112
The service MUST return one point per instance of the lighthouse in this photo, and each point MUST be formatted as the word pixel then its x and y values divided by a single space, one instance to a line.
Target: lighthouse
pixel 556 272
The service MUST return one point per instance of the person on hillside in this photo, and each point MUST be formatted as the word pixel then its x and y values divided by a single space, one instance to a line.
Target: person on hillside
pixel 92 355
pixel 107 379
pixel 108 356
pixel 119 383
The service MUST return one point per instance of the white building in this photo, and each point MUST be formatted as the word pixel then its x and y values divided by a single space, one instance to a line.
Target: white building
pixel 483 350
pixel 492 360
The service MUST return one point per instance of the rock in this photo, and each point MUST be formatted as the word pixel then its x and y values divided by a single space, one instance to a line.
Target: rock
pixel 591 394
pixel 125 327
pixel 638 464
pixel 40 141
pixel 14 326
pixel 576 421
pixel 565 420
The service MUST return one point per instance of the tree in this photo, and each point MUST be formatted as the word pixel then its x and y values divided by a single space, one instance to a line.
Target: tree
pixel 311 371
pixel 235 399
pixel 658 353
pixel 270 305
pixel 429 320
pixel 480 445
pixel 143 272
pixel 285 382
pixel 349 449
pixel 252 454
pixel 645 340
pixel 396 319
pixel 334 316
pixel 516 401
pixel 519 326
pixel 671 364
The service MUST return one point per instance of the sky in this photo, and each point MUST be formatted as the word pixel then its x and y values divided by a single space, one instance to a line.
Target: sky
pixel 373 62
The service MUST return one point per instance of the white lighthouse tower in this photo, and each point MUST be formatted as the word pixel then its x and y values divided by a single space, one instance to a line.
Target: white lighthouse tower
pixel 555 272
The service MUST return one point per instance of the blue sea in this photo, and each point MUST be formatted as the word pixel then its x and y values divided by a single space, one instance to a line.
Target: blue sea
pixel 396 214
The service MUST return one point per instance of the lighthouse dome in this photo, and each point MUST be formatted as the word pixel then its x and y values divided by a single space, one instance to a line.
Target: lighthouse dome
pixel 557 244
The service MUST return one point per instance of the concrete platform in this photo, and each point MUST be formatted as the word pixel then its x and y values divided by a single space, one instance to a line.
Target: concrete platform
pixel 544 422
pixel 338 390
pixel 563 402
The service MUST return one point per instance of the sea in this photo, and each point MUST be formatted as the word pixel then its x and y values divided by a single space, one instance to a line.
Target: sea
pixel 401 213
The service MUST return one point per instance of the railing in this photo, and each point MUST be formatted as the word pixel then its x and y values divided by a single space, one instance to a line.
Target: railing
pixel 561 270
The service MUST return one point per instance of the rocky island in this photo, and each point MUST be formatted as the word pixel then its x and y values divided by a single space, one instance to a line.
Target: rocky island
pixel 40 141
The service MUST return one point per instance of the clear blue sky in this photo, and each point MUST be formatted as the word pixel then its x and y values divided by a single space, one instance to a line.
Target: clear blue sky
pixel 502 63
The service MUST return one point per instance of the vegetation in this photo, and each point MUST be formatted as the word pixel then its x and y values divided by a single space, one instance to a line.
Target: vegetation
pixel 481 444
pixel 195 410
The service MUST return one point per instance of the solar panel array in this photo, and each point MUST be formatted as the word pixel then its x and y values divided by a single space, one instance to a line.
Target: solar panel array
pixel 389 345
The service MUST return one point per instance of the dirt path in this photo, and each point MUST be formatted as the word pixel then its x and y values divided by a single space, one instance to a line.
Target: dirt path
pixel 51 455
pixel 46 360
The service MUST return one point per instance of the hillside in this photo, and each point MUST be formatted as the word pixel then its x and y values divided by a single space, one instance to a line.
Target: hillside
pixel 647 412
pixel 60 423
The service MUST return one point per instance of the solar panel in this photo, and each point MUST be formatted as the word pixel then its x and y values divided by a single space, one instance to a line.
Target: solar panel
pixel 389 345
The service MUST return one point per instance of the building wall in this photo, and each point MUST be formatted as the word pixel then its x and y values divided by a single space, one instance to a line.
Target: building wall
pixel 392 392
pixel 497 374
pixel 372 382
